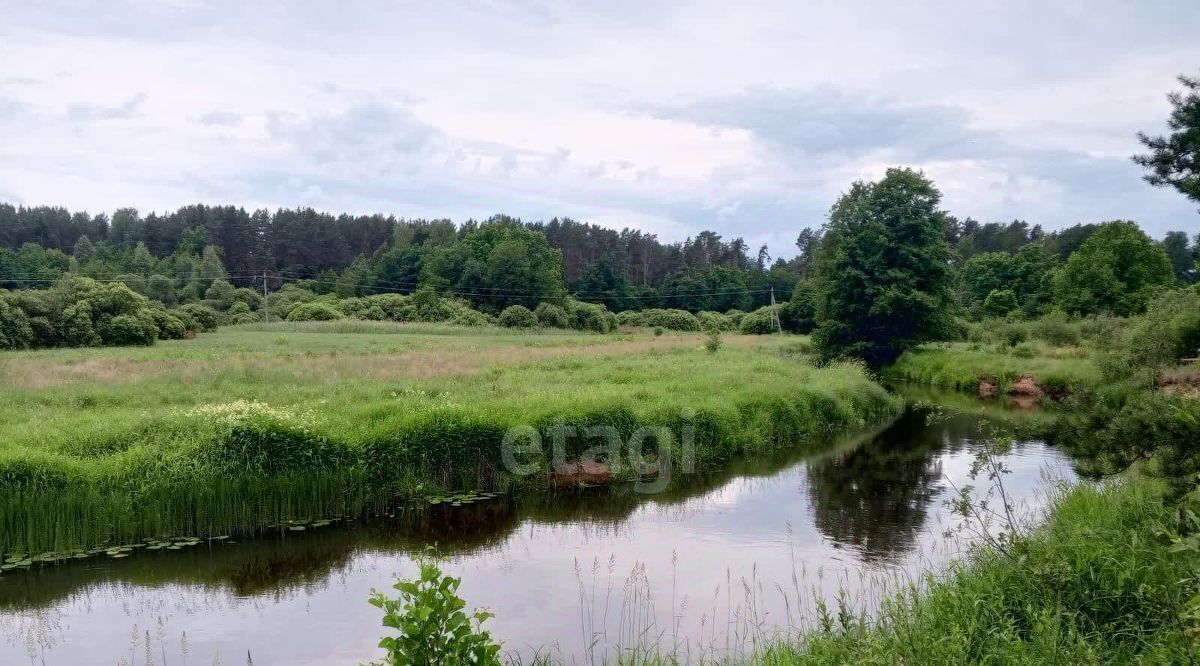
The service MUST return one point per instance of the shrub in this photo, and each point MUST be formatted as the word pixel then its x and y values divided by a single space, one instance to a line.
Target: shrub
pixel 221 295
pixel 204 318
pixel 169 326
pixel 713 342
pixel 552 316
pixel 588 316
pixel 1101 329
pixel 672 320
pixel 134 282
pixel 1000 302
pixel 517 316
pixel 77 329
pixel 1166 333
pixel 124 330
pixel 288 297
pixel 1056 328
pixel 714 321
pixel 15 329
pixel 161 289
pixel 395 307
pixel 758 322
pixel 1024 350
pixel 465 315
pixel 238 308
pixel 314 312
pixel 44 332
pixel 735 316
pixel 630 318
pixel 250 297
pixel 433 627
pixel 610 320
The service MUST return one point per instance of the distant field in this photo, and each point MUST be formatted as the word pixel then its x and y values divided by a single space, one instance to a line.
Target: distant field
pixel 252 425
pixel 320 351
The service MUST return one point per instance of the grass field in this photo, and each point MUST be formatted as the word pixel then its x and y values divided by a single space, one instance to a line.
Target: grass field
pixel 960 366
pixel 254 425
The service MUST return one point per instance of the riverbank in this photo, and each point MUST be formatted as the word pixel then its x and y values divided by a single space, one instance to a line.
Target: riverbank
pixel 1098 583
pixel 841 517
pixel 246 431
pixel 977 368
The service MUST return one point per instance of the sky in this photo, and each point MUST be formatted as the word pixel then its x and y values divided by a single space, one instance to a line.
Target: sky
pixel 747 118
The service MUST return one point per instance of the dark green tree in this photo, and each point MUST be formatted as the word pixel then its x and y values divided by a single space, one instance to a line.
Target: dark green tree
pixel 84 250
pixel 498 264
pixel 986 272
pixel 397 269
pixel 1116 271
pixel 884 278
pixel 1000 302
pixel 1175 244
pixel 1174 160
pixel 603 283
pixel 799 315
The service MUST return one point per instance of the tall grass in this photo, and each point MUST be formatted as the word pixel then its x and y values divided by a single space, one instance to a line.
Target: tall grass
pixel 961 366
pixel 204 450
pixel 1096 584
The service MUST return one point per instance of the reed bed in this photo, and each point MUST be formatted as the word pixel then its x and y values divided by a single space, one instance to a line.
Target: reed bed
pixel 223 450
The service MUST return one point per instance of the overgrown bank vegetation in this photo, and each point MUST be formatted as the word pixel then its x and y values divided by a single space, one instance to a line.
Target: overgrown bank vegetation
pixel 172 440
pixel 1101 582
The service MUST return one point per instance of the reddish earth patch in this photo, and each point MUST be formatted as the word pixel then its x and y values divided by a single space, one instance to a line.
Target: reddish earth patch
pixel 1026 386
pixel 573 472
pixel 988 387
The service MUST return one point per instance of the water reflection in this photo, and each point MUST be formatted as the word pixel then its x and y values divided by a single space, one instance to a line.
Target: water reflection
pixel 874 498
pixel 835 520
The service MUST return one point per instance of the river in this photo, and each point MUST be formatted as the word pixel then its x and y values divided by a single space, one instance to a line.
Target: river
pixel 707 569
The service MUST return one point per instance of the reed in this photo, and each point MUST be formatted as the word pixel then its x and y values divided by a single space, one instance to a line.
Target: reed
pixel 206 449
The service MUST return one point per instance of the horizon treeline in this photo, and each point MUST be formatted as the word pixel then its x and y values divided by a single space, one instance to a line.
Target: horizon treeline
pixel 364 254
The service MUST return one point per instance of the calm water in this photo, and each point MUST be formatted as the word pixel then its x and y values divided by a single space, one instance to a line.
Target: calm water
pixel 702 569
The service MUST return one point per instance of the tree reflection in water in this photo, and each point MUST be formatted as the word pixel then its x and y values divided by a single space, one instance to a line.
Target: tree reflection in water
pixel 875 498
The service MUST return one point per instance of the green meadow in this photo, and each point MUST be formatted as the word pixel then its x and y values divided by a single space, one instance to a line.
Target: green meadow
pixel 253 426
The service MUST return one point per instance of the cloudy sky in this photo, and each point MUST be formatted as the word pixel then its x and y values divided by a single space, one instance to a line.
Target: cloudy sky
pixel 747 118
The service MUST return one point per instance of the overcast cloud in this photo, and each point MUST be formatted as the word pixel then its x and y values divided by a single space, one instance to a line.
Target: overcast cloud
pixel 747 118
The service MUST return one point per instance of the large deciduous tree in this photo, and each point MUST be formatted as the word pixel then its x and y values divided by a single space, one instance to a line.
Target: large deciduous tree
pixel 496 265
pixel 884 282
pixel 1174 159
pixel 1116 271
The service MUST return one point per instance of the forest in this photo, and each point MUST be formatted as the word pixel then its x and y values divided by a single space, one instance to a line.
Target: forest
pixel 215 264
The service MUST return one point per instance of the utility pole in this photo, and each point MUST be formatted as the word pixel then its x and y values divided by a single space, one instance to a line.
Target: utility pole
pixel 775 313
pixel 266 308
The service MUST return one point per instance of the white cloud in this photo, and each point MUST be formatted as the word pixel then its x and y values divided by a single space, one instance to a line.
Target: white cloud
pixel 671 117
